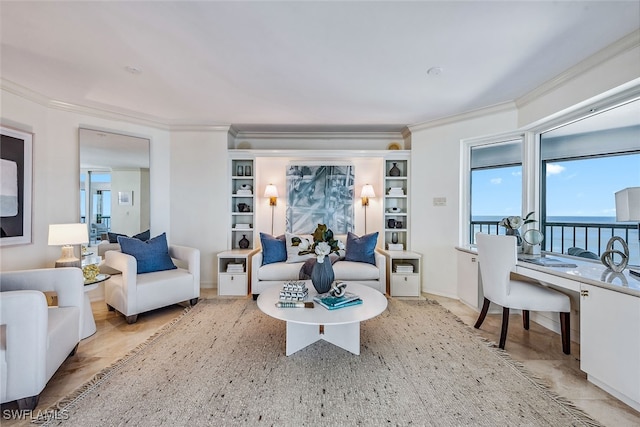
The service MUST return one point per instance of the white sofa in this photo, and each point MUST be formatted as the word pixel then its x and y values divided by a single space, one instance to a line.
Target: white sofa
pixel 263 276
pixel 35 339
pixel 131 293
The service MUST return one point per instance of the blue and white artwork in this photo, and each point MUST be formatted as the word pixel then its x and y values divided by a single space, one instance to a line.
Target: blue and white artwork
pixel 320 195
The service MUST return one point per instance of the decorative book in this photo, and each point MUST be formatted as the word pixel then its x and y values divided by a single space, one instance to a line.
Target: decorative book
pixel 330 302
pixel 549 262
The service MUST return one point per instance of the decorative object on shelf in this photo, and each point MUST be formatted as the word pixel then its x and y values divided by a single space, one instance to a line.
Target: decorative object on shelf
pixel 391 223
pixel 607 257
pixel 271 191
pixel 512 225
pixel 399 224
pixel 239 170
pixel 243 207
pixel 532 238
pixel 338 289
pixel 393 146
pixel 247 170
pixel 394 210
pixel 244 242
pixel 367 192
pixel 246 187
pixel 394 237
pixel 396 191
pixel 67 235
pixel 395 170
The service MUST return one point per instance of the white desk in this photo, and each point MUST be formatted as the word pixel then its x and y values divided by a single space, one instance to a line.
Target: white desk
pixel 609 320
pixel 341 326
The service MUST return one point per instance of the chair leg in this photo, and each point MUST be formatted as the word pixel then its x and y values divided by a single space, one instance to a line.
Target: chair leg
pixel 28 403
pixel 565 332
pixel 131 319
pixel 193 301
pixel 525 319
pixel 73 352
pixel 483 313
pixel 505 326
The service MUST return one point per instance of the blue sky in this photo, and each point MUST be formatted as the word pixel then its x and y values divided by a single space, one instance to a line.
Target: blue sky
pixel 574 188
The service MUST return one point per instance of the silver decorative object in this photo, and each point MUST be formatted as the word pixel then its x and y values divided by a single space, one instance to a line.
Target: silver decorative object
pixel 608 254
pixel 338 289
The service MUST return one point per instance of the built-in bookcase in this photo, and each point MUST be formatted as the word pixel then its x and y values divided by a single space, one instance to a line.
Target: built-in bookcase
pixel 396 202
pixel 242 202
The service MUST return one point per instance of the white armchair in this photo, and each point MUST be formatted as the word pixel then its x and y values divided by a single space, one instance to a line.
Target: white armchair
pixel 36 339
pixel 131 293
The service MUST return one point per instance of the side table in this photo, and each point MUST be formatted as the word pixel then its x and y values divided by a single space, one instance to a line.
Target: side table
pixel 89 323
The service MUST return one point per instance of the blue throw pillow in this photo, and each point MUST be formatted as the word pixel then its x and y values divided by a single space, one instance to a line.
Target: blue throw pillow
pixel 144 236
pixel 361 249
pixel 152 255
pixel 274 249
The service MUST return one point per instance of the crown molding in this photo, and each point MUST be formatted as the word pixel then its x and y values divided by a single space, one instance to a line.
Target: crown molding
pixel 480 112
pixel 302 135
pixel 628 42
pixel 319 154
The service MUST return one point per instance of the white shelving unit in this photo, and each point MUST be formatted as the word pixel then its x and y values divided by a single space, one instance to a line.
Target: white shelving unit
pixel 233 273
pixel 242 203
pixel 396 203
pixel 404 269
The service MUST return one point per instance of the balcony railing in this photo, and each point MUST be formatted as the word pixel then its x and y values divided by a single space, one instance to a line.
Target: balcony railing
pixel 560 236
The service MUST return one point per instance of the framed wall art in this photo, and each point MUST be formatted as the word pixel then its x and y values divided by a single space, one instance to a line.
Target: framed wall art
pixel 16 172
pixel 320 194
pixel 125 198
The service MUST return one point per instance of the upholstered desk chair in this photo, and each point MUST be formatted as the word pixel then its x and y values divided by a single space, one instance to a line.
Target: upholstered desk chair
pixel 497 256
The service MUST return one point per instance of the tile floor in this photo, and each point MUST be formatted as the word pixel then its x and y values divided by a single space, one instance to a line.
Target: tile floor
pixel 538 350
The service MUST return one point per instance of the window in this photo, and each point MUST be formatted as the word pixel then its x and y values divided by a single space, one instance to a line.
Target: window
pixel 495 185
pixel 584 164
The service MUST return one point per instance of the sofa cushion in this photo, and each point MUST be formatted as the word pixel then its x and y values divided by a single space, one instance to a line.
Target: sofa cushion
pixel 144 236
pixel 280 271
pixel 361 249
pixel 292 241
pixel 152 255
pixel 350 270
pixel 274 249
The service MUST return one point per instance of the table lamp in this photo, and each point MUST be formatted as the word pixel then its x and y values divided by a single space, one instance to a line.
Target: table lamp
pixel 66 235
pixel 628 208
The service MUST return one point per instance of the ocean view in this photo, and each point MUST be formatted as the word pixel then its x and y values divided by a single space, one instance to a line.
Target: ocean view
pixel 588 238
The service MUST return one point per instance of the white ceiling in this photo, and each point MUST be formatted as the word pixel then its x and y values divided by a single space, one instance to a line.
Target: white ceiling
pixel 265 64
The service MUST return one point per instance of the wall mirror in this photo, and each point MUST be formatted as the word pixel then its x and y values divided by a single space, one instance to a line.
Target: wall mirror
pixel 114 183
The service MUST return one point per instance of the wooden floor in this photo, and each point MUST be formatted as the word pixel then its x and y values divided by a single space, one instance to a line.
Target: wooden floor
pixel 538 349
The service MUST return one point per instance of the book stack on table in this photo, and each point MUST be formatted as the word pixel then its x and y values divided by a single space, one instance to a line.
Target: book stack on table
pixel 330 302
pixel 235 268
pixel 404 268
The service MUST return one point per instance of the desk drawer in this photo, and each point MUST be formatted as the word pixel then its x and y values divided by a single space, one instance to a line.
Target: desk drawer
pixel 573 285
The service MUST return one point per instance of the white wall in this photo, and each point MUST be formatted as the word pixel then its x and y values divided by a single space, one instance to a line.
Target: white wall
pixel 128 219
pixel 56 172
pixel 435 172
pixel 199 195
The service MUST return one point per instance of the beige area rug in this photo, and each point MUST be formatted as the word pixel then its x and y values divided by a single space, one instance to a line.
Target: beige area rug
pixel 223 363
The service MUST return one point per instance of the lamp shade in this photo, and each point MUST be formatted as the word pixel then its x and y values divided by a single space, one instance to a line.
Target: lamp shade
pixel 367 191
pixel 68 234
pixel 271 191
pixel 628 204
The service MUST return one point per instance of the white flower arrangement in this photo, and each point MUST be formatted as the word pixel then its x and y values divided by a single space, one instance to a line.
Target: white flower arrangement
pixel 515 222
pixel 323 244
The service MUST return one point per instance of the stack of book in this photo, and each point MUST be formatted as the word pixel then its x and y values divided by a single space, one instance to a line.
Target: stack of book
pixel 294 291
pixel 235 268
pixel 243 226
pixel 244 193
pixel 396 191
pixel 330 302
pixel 404 268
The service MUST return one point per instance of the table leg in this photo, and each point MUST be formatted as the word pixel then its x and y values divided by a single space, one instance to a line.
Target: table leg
pixel 345 336
pixel 299 336
pixel 88 323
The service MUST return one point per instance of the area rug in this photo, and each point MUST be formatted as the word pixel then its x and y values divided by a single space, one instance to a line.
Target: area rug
pixel 223 363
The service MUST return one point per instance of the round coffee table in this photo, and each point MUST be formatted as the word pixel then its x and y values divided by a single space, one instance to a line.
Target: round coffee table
pixel 340 327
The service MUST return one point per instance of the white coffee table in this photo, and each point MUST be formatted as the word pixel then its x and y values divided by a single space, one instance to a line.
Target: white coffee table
pixel 340 327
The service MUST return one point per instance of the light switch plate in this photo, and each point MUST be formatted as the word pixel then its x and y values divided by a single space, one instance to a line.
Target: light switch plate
pixel 439 201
